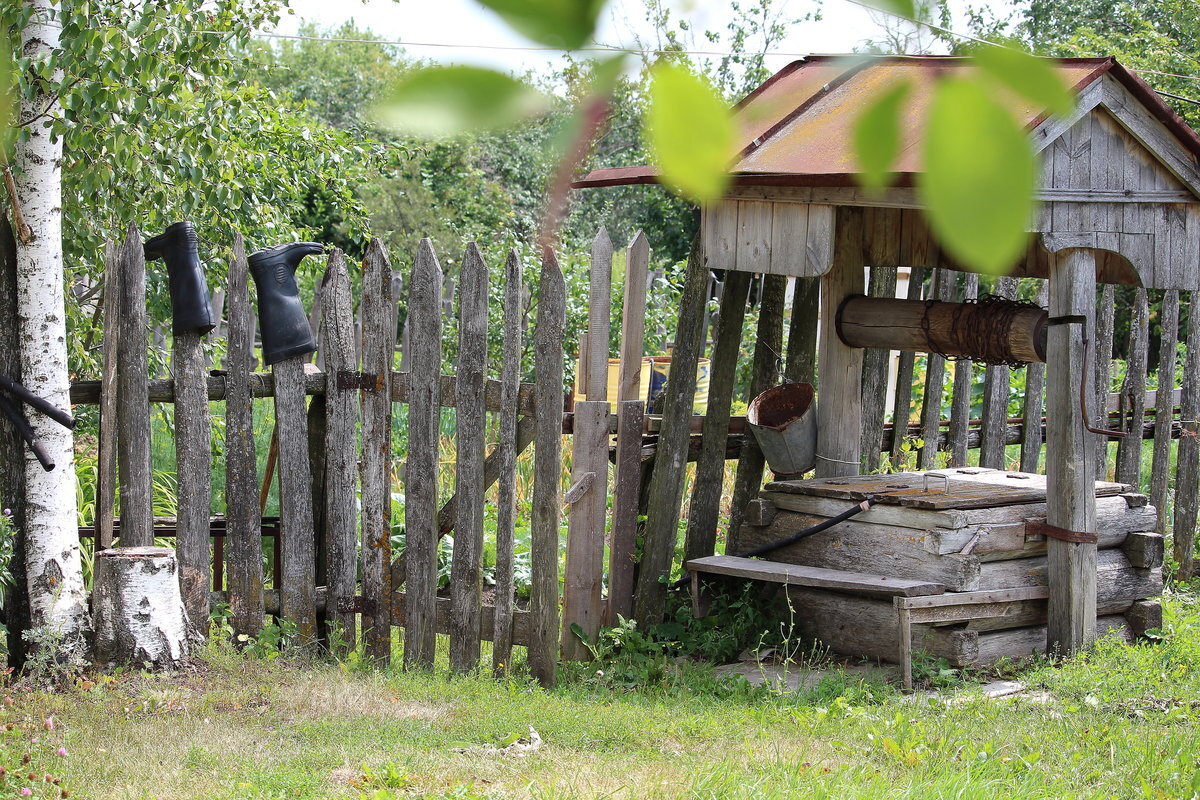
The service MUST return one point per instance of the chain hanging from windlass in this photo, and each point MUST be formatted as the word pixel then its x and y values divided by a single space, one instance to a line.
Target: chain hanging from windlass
pixel 986 338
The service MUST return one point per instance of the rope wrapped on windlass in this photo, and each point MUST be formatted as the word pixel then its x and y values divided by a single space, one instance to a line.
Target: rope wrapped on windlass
pixel 993 330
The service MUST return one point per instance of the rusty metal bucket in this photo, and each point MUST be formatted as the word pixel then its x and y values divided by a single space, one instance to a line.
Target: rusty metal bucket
pixel 784 422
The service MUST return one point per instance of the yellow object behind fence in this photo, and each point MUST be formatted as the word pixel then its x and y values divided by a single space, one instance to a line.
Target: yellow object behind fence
pixel 653 377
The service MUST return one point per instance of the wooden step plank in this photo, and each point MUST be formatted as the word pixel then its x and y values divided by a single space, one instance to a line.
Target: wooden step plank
pixel 795 575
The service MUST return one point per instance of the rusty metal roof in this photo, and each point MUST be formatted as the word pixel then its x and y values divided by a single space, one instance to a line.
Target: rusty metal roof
pixel 797 127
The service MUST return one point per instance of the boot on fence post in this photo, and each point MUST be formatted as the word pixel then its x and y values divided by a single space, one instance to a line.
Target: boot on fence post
pixel 286 337
pixel 191 318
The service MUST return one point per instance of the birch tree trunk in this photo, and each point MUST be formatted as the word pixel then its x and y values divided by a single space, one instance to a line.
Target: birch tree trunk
pixel 57 597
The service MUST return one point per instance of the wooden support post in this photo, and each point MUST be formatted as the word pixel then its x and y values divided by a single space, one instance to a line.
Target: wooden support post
pixel 466 570
pixel 1034 404
pixel 960 403
pixel 710 471
pixel 193 458
pixel 1105 323
pixel 1071 492
pixel 106 483
pixel 584 575
pixel 133 410
pixel 1187 476
pixel 243 522
pixel 902 409
pixel 839 409
pixel 297 600
pixel 421 465
pixel 1133 393
pixel 506 454
pixel 765 374
pixel 547 469
pixel 630 420
pixel 995 399
pixel 341 452
pixel 1164 406
pixel 670 467
pixel 875 376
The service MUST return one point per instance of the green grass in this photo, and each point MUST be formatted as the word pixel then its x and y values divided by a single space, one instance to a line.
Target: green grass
pixel 1122 723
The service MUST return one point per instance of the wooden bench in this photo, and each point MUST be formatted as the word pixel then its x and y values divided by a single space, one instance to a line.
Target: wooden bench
pixel 798 575
pixel 915 601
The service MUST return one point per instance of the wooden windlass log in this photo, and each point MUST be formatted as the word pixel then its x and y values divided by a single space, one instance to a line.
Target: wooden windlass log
pixel 993 331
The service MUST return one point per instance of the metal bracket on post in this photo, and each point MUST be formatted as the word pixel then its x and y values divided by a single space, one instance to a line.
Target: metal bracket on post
pixel 365 381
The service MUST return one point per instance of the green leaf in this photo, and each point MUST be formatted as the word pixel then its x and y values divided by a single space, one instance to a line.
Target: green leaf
pixel 877 136
pixel 690 132
pixel 979 177
pixel 1033 78
pixel 569 24
pixel 901 8
pixel 442 101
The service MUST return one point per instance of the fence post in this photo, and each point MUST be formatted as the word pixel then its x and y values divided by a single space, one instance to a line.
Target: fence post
pixel 1105 320
pixel 133 412
pixel 421 464
pixel 904 378
pixel 547 478
pixel 243 521
pixel 875 376
pixel 935 375
pixel 297 589
pixel 466 571
pixel 379 335
pixel 506 451
pixel 341 450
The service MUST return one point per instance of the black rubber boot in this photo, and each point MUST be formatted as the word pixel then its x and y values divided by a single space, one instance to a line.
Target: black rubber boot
pixel 282 322
pixel 191 307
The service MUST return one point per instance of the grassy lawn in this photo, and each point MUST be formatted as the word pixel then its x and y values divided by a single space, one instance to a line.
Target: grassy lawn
pixel 1122 722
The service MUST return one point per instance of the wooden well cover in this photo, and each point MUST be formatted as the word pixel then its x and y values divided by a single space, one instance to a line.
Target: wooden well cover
pixel 937 490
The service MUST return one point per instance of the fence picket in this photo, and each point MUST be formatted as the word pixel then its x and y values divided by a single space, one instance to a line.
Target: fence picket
pixel 1187 475
pixel 710 470
pixel 995 398
pixel 902 407
pixel 667 478
pixel 106 479
pixel 243 522
pixel 764 375
pixel 1133 392
pixel 935 375
pixel 1164 406
pixel 506 452
pixel 466 571
pixel 1102 371
pixel 960 403
pixel 584 574
pixel 193 459
pixel 133 411
pixel 297 600
pixel 875 377
pixel 341 451
pixel 547 479
pixel 1034 404
pixel 379 336
pixel 802 333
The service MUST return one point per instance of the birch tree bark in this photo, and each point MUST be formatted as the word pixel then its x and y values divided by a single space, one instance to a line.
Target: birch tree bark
pixel 54 576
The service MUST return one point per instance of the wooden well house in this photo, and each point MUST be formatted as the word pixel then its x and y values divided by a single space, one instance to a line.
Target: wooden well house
pixel 1120 204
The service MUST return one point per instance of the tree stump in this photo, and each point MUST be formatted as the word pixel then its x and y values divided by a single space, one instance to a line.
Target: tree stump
pixel 137 610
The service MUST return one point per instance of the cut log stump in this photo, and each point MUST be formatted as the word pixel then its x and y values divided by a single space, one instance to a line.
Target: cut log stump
pixel 137 609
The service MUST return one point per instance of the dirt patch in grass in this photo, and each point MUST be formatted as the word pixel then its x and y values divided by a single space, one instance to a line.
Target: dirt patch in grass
pixel 326 696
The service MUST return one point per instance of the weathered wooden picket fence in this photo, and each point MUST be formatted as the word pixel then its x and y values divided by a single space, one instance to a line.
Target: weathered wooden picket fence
pixel 336 462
